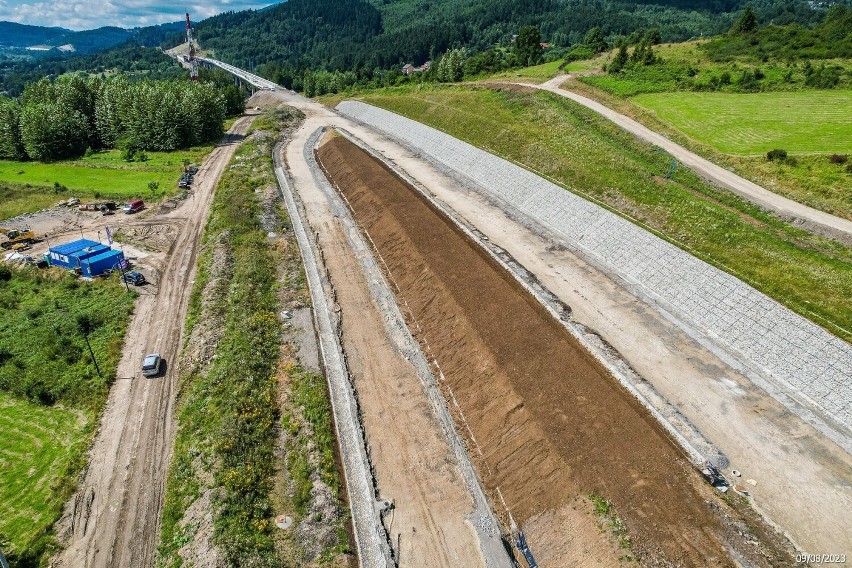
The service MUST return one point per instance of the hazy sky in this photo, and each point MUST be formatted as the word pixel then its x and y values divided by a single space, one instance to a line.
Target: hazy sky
pixel 84 15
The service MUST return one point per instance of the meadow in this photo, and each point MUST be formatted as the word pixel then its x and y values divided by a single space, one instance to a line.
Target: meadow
pixel 534 74
pixel 801 122
pixel 593 158
pixel 29 185
pixel 34 442
pixel 50 394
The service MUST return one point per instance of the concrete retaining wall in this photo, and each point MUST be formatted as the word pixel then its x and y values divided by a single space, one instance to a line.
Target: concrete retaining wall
pixel 796 361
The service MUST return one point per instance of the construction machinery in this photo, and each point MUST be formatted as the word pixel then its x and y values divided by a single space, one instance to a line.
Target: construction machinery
pixel 15 237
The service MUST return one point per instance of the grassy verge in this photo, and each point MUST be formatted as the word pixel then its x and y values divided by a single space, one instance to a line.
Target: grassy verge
pixel 50 396
pixel 534 74
pixel 748 124
pixel 229 410
pixel 101 175
pixel 590 156
pixel 17 199
pixel 807 179
pixel 689 67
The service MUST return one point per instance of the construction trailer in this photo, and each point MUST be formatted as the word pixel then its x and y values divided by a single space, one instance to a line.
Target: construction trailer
pixel 90 257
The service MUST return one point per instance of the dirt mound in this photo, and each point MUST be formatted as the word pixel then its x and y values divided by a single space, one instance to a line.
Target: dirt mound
pixel 544 419
pixel 150 236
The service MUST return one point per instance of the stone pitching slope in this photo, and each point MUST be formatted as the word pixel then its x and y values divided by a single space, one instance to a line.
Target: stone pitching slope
pixel 789 356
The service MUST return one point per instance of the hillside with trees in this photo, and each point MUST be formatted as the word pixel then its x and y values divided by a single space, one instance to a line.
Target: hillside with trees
pixel 326 45
pixel 750 57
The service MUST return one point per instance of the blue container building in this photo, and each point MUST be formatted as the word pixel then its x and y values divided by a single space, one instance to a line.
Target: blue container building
pixel 91 257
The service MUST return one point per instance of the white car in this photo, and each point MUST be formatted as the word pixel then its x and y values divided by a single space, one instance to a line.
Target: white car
pixel 152 364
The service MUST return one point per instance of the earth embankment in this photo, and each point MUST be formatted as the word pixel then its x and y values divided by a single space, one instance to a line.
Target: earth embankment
pixel 544 420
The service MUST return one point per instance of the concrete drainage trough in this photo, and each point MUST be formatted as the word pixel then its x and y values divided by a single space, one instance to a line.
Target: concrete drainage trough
pixel 370 538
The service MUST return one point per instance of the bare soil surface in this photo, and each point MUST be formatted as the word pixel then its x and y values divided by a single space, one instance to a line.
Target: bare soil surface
pixel 412 462
pixel 113 518
pixel 544 420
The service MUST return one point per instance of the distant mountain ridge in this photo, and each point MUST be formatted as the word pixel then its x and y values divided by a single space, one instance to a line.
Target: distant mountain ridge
pixel 21 36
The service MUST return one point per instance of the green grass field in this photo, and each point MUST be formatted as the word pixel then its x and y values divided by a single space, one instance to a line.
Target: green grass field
pixel 754 123
pixel 34 442
pixel 535 74
pixel 50 394
pixel 103 174
pixel 594 158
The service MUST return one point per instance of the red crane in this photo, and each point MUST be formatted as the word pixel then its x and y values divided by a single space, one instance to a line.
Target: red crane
pixel 193 64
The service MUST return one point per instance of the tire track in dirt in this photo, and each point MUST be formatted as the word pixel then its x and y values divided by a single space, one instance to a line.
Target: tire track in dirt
pixel 113 519
pixel 548 421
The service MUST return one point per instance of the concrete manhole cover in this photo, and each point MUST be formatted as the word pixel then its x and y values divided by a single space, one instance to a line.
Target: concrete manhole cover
pixel 283 522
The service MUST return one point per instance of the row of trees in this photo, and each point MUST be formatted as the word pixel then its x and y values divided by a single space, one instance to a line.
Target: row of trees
pixel 63 118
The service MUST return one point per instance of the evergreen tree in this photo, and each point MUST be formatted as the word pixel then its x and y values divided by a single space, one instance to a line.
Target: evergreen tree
pixel 746 23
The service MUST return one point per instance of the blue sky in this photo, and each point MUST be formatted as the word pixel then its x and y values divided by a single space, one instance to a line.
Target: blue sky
pixel 84 15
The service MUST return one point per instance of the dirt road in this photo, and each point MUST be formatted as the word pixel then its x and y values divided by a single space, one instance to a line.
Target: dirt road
pixel 113 518
pixel 820 221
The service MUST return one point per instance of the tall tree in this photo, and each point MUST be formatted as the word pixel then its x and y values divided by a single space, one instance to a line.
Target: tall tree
pixel 527 49
pixel 746 23
pixel 11 146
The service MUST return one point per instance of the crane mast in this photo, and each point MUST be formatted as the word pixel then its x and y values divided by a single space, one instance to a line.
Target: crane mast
pixel 193 64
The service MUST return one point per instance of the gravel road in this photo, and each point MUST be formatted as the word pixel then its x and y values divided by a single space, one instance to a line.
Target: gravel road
pixel 113 519
pixel 819 221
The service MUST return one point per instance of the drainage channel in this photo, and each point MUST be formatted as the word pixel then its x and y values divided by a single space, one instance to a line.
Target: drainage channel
pixel 370 538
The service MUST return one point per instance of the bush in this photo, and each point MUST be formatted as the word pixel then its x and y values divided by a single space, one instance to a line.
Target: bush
pixel 777 154
pixel 5 274
pixel 838 158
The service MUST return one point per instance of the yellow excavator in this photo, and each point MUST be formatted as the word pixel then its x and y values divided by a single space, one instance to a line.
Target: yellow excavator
pixel 14 237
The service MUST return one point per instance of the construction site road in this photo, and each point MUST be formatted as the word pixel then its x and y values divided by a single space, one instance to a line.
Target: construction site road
pixel 816 220
pixel 113 519
pixel 801 477
pixel 434 520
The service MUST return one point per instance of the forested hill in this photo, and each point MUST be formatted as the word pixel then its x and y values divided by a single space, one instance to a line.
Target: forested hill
pixel 87 41
pixel 20 35
pixel 365 34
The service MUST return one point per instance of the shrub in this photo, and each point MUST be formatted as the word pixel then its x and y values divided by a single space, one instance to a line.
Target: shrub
pixel 777 154
pixel 838 158
pixel 5 274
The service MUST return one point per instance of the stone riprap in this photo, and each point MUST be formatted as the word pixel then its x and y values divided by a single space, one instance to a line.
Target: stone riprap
pixel 791 356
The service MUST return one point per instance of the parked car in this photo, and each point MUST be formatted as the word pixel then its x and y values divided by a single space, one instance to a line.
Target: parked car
pixel 152 365
pixel 134 206
pixel 135 278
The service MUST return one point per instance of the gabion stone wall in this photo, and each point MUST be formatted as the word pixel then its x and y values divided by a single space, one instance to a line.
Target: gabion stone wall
pixel 799 358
